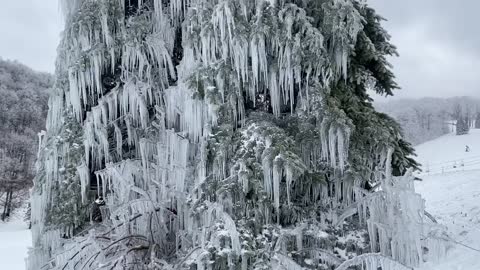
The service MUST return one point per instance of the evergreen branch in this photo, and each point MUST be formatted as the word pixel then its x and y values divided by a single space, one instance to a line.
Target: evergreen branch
pixel 141 237
pixel 94 256
pixel 137 217
pixel 322 252
pixel 186 257
pixel 75 255
pixel 137 248
pixel 430 216
pixel 359 260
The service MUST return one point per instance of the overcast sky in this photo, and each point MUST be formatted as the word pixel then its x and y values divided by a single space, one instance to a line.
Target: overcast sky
pixel 438 41
pixel 30 32
pixel 439 45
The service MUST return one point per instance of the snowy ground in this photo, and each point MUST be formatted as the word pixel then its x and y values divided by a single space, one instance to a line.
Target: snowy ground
pixel 14 240
pixel 453 197
pixel 447 153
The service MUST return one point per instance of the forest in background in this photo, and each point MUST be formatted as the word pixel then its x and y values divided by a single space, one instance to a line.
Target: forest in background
pixel 23 108
pixel 429 118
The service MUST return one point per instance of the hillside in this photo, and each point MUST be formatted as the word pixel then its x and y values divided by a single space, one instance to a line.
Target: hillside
pixel 426 119
pixel 447 153
pixel 23 109
pixel 453 196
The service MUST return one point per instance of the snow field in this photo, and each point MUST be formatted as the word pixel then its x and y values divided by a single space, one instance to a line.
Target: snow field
pixel 453 197
pixel 15 238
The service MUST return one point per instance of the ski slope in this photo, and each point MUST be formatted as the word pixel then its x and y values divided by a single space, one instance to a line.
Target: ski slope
pixel 451 188
pixel 447 153
pixel 15 238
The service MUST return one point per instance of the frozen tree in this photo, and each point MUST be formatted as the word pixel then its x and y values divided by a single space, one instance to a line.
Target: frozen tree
pixel 462 126
pixel 477 120
pixel 221 134
pixel 462 120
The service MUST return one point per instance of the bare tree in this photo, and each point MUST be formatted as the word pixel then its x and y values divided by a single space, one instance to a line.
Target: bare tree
pixel 23 106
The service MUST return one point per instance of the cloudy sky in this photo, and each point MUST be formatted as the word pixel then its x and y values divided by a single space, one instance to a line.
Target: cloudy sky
pixel 438 41
pixel 439 45
pixel 30 31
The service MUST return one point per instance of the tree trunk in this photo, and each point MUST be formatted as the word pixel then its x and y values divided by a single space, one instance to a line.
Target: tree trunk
pixel 9 203
pixel 4 214
pixel 4 211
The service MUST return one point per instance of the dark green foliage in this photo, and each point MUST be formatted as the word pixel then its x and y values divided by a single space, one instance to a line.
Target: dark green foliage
pixel 463 126
pixel 477 121
pixel 66 208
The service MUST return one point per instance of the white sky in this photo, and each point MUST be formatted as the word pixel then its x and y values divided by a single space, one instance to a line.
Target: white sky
pixel 30 32
pixel 439 46
pixel 438 41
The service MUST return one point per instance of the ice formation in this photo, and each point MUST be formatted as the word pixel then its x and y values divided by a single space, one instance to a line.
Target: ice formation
pixel 373 261
pixel 396 221
pixel 172 145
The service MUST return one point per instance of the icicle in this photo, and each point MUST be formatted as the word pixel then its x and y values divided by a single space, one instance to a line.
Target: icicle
pixel 74 97
pixel 221 85
pixel 118 139
pixel 267 175
pixel 104 187
pixel 178 8
pixel 41 137
pixel 342 151
pixel 190 115
pixel 289 179
pixel 232 231
pixel 243 177
pixel 277 177
pixel 255 68
pixel 275 96
pixel 396 221
pixel 84 175
pixel 130 134
pixel 282 262
pixel 98 184
pixel 298 232
pixel 223 21
pixel 332 142
pixel 144 147
pixel 158 8
pixel 55 113
pixel 388 169
pixel 324 137
pixel 244 262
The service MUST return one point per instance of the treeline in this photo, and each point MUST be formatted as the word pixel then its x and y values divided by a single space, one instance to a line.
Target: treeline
pixel 429 118
pixel 23 108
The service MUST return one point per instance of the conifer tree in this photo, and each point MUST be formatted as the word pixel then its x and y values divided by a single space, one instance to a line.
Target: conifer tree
pixel 477 120
pixel 222 134
pixel 462 126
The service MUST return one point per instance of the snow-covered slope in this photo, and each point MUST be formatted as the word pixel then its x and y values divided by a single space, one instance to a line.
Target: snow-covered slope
pixel 15 238
pixel 453 196
pixel 447 153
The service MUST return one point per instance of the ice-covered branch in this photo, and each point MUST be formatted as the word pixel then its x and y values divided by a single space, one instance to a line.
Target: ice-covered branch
pixel 373 261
